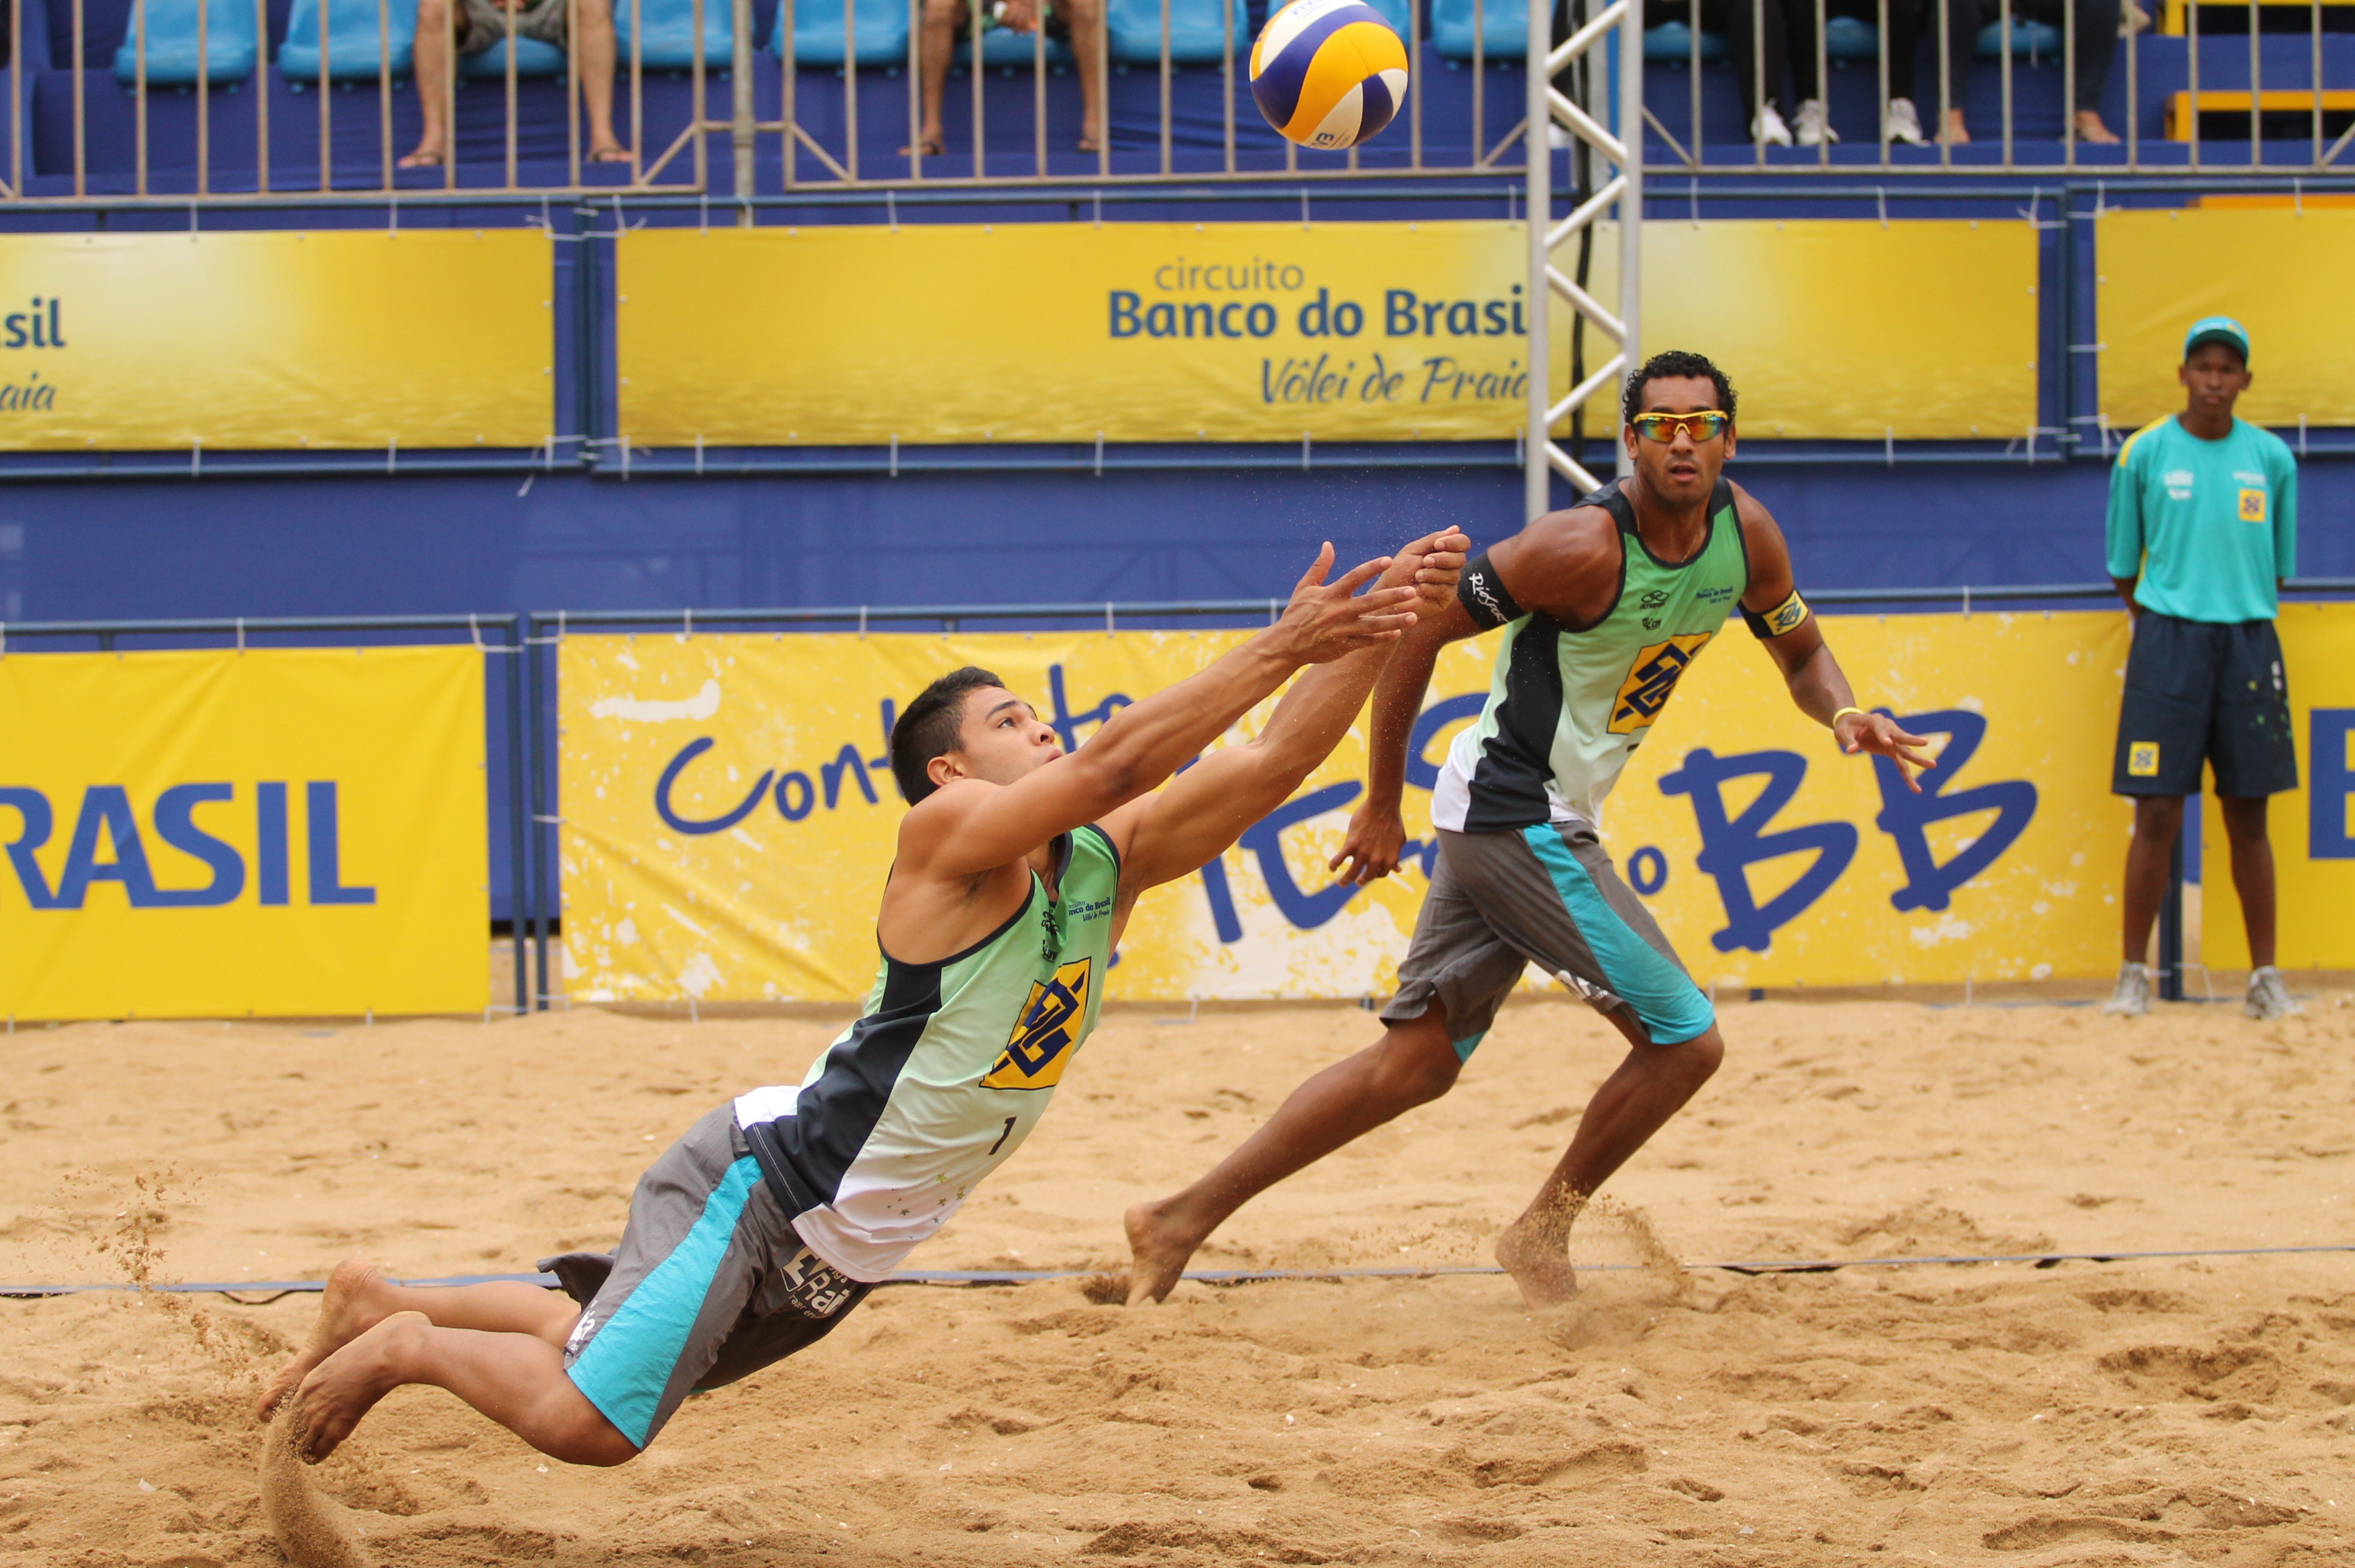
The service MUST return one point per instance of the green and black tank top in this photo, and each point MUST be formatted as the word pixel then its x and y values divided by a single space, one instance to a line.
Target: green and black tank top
pixel 1568 705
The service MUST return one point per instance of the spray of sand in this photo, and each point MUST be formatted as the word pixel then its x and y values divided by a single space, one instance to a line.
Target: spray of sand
pixel 312 1531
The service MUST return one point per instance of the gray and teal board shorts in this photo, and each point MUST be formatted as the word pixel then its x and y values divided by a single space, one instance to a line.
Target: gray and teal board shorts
pixel 710 1285
pixel 1545 895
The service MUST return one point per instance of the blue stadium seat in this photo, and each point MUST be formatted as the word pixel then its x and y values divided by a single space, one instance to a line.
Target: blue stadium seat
pixel 817 32
pixel 532 59
pixel 1673 41
pixel 229 46
pixel 351 39
pixel 1505 23
pixel 1194 33
pixel 668 38
pixel 1393 11
pixel 1012 51
pixel 1851 38
pixel 2039 39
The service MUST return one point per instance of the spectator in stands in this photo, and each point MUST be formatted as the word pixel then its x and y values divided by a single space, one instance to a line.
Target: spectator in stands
pixel 1078 23
pixel 474 26
pixel 1908 22
pixel 2202 529
pixel 2097 45
pixel 1759 34
pixel 1782 101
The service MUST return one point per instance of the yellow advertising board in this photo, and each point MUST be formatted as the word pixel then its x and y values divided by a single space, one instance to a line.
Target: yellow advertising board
pixel 2283 274
pixel 217 833
pixel 728 815
pixel 1174 332
pixel 2312 826
pixel 342 339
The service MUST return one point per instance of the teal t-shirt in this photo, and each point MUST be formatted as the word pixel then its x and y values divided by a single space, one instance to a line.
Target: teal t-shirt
pixel 2209 525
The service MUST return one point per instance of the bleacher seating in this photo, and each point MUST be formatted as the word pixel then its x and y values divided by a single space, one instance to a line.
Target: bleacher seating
pixel 1504 25
pixel 352 39
pixel 665 33
pixel 1196 37
pixel 230 42
pixel 882 26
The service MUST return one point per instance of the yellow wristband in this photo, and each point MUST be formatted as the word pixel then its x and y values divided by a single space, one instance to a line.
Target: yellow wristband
pixel 1844 712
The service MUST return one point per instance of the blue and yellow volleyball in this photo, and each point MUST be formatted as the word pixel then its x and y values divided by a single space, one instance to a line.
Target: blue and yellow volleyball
pixel 1328 73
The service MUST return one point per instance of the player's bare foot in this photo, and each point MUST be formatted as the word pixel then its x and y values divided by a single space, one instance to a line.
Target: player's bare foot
pixel 1157 1253
pixel 346 1385
pixel 1538 1260
pixel 356 1299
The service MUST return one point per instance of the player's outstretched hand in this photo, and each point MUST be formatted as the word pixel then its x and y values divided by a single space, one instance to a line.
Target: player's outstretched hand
pixel 1433 563
pixel 1879 734
pixel 1324 620
pixel 1376 840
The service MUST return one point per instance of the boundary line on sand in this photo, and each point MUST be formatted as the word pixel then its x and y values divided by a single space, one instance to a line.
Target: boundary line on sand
pixel 270 1290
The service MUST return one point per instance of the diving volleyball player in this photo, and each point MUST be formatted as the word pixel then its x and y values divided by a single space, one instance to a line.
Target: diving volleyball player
pixel 1603 606
pixel 759 1231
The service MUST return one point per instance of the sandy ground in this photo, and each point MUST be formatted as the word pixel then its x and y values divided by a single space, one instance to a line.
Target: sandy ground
pixel 2150 1411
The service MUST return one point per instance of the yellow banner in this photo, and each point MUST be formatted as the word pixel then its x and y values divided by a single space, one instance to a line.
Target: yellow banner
pixel 212 834
pixel 2312 826
pixel 343 338
pixel 2282 274
pixel 1145 332
pixel 728 815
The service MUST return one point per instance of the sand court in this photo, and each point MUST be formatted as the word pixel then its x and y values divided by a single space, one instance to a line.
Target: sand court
pixel 2151 1411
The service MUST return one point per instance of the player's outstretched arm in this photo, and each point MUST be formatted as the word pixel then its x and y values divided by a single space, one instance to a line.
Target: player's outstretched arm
pixel 970 826
pixel 1796 643
pixel 1170 832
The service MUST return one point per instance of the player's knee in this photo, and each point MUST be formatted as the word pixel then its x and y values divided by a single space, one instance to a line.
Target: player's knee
pixel 2158 816
pixel 1696 1061
pixel 590 1439
pixel 1418 1065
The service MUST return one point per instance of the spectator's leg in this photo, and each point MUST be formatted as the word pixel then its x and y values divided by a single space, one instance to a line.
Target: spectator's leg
pixel 1907 22
pixel 436 48
pixel 2097 44
pixel 935 49
pixel 1086 19
pixel 1741 25
pixel 1799 27
pixel 1962 41
pixel 2253 868
pixel 597 51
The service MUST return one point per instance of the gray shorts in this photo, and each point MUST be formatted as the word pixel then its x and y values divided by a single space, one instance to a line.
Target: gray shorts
pixel 1548 896
pixel 710 1285
pixel 484 24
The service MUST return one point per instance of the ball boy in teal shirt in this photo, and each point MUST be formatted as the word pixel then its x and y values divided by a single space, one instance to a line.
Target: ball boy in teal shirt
pixel 2202 529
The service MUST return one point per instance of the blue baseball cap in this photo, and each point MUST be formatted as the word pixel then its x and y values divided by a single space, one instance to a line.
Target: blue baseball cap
pixel 2220 329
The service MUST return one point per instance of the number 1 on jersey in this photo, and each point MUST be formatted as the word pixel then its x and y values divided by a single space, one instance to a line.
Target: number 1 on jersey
pixel 1003 1136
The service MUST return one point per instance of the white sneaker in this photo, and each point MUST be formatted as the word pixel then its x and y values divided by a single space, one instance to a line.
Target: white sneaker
pixel 1768 127
pixel 1813 129
pixel 2268 997
pixel 1903 123
pixel 1558 136
pixel 2132 998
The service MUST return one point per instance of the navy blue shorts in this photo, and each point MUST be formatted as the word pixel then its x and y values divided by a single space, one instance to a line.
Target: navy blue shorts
pixel 2204 692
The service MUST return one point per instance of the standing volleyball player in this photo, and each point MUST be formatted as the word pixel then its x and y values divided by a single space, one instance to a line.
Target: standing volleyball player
pixel 1604 607
pixel 2202 529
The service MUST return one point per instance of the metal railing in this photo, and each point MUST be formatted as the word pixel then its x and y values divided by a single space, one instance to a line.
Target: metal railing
pixel 838 122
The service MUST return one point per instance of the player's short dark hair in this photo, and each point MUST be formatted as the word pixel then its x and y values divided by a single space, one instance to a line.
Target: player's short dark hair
pixel 1675 363
pixel 929 727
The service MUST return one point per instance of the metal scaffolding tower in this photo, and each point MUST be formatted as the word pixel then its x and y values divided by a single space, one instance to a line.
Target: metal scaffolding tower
pixel 1605 134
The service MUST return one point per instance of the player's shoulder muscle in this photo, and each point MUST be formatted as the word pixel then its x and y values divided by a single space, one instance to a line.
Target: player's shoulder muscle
pixel 1553 558
pixel 1761 539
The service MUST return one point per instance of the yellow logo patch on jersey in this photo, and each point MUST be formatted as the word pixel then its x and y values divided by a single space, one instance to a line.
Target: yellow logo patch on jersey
pixel 1651 678
pixel 2142 760
pixel 2253 505
pixel 1045 1039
